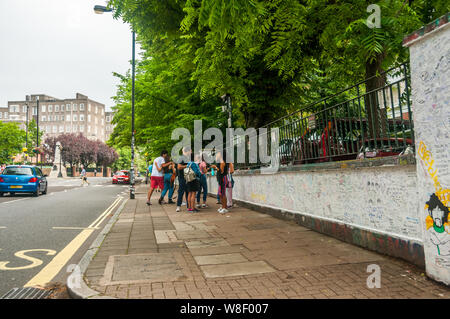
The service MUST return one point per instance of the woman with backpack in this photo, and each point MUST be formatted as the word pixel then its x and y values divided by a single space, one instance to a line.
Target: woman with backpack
pixel 192 176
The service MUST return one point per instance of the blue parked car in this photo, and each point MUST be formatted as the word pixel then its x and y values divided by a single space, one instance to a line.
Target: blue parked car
pixel 23 179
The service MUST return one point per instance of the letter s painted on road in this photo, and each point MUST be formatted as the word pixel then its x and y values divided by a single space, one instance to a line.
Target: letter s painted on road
pixel 22 254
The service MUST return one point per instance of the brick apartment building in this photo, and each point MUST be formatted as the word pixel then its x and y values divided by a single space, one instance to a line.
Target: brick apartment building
pixel 57 116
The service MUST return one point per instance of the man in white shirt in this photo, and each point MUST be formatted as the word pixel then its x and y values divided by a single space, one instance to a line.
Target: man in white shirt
pixel 157 178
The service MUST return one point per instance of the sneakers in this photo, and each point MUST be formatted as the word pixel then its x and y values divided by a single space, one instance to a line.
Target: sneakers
pixel 183 204
pixel 178 209
pixel 204 206
pixel 160 200
pixel 148 203
pixel 197 205
pixel 223 211
pixel 170 202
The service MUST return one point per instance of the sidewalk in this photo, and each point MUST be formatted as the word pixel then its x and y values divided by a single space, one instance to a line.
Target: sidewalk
pixel 154 252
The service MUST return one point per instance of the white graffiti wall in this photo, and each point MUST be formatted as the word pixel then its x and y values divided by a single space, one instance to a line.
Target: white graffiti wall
pixel 377 199
pixel 430 68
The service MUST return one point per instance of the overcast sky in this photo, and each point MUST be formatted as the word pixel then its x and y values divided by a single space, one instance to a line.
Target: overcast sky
pixel 60 47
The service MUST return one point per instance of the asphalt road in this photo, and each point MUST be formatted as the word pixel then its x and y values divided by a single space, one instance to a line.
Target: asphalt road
pixel 34 231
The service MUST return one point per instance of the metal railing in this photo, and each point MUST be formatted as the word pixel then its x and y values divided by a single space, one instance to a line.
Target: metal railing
pixel 353 123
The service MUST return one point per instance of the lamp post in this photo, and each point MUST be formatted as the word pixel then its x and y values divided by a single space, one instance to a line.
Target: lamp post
pixel 100 10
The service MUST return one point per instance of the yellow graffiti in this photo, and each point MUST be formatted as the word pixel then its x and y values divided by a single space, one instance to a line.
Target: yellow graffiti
pixel 427 158
pixel 21 254
pixel 260 197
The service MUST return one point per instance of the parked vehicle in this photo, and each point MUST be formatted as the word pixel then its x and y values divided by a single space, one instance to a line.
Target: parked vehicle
pixel 23 179
pixel 121 177
pixel 342 139
pixel 381 147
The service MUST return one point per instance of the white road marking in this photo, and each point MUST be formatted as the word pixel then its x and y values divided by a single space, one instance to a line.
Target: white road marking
pixel 2 227
pixel 76 228
pixel 15 200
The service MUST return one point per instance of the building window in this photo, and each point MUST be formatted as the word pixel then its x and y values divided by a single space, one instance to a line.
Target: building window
pixel 74 107
pixel 82 128
pixel 67 129
pixel 6 115
pixel 74 128
pixel 49 118
pixel 43 108
pixel 61 129
pixel 47 129
pixel 81 117
pixel 81 107
pixel 43 119
pixel 56 108
pixel 1 115
pixel 68 107
pixel 108 119
pixel 67 117
pixel 89 129
pixel 96 109
pixel 50 108
pixel 62 107
pixel 55 129
pixel 89 117
pixel 89 107
pixel 75 118
pixel 24 108
pixel 34 110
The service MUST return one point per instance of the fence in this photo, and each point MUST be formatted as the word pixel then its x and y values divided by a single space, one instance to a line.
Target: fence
pixel 354 123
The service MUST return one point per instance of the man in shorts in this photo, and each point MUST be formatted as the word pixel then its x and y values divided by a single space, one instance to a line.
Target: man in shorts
pixel 83 177
pixel 157 178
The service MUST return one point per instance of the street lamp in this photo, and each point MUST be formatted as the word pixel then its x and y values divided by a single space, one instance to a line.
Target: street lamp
pixel 100 10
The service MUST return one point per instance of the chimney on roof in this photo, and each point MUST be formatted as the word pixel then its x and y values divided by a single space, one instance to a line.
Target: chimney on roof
pixel 81 96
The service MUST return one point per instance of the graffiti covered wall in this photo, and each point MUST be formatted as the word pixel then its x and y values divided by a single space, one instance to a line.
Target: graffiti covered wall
pixel 381 199
pixel 430 67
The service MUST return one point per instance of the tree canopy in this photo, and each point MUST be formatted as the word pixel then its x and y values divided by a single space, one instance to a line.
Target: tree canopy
pixel 272 57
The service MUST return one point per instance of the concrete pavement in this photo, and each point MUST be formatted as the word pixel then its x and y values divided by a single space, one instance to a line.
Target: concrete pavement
pixel 154 252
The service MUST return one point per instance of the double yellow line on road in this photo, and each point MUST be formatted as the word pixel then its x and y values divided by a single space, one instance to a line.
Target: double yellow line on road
pixel 55 266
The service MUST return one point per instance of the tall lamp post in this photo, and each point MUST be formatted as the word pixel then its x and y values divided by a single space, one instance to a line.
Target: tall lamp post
pixel 100 10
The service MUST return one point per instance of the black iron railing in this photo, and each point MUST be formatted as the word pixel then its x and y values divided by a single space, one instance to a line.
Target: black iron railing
pixel 354 123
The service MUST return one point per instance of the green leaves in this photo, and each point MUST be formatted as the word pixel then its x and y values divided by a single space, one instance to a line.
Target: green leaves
pixel 271 56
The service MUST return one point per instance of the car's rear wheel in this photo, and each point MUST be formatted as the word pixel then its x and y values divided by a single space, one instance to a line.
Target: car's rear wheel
pixel 36 193
pixel 12 194
pixel 1 194
pixel 45 190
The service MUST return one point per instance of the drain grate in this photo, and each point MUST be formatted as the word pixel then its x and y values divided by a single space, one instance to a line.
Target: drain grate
pixel 27 293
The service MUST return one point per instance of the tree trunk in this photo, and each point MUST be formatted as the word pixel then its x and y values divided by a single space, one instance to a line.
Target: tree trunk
pixel 376 116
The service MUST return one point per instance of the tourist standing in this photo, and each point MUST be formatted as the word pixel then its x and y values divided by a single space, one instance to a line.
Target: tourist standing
pixel 203 167
pixel 192 176
pixel 181 165
pixel 157 178
pixel 168 171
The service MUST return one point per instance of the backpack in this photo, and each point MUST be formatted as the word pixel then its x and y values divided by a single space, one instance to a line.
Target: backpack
pixel 189 174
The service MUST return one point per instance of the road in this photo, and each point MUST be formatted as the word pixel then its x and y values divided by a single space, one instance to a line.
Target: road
pixel 41 236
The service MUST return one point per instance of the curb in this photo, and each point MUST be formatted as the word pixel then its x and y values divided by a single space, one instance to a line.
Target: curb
pixel 76 286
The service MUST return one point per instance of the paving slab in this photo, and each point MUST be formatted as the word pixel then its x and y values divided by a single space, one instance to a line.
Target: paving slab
pixel 236 269
pixel 220 259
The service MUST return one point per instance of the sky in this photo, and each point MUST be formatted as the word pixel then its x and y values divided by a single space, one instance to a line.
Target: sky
pixel 59 48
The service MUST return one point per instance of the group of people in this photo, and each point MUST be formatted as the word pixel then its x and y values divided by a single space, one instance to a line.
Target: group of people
pixel 191 171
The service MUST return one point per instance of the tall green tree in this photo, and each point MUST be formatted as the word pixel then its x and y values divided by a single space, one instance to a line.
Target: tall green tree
pixel 272 56
pixel 11 141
